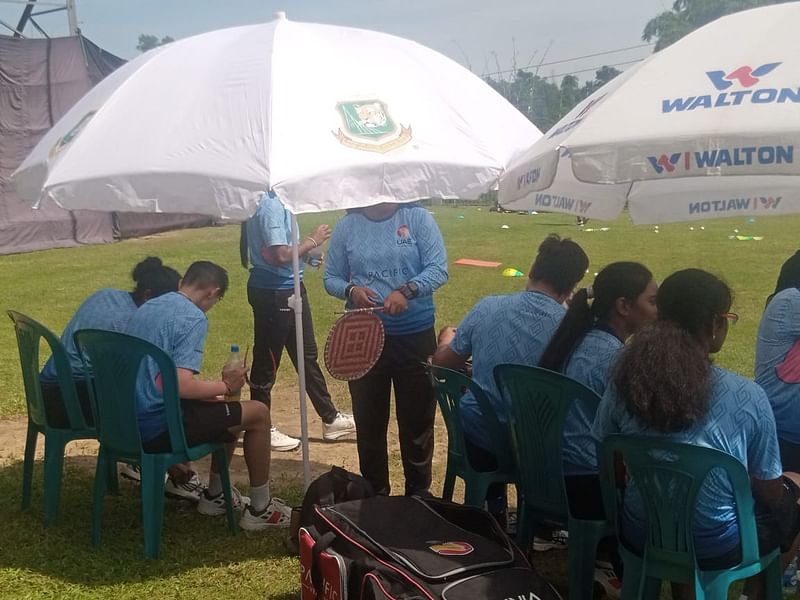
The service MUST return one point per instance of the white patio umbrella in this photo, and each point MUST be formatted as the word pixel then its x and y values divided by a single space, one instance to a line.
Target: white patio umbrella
pixel 708 127
pixel 327 117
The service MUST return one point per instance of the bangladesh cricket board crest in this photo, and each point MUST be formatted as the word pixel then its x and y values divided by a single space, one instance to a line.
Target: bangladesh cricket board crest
pixel 367 125
pixel 67 138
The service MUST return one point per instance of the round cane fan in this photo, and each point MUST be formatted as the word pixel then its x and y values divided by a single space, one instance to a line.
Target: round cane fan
pixel 354 345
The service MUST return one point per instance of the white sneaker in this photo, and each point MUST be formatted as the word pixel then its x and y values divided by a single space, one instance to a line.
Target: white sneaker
pixel 276 515
pixel 132 472
pixel 190 490
pixel 341 426
pixel 280 442
pixel 559 540
pixel 215 505
pixel 605 575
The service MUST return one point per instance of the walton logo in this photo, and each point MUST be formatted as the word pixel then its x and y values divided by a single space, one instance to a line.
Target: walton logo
pixel 664 162
pixel 722 157
pixel 746 77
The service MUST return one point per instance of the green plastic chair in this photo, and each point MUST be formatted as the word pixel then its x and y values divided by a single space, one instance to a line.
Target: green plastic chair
pixel 29 335
pixel 668 476
pixel 116 359
pixel 449 386
pixel 540 400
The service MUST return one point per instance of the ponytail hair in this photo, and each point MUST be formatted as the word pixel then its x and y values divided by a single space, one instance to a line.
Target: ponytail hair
pixel 151 274
pixel 664 375
pixel 618 280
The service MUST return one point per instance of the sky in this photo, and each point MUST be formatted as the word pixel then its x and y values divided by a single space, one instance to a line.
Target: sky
pixel 486 36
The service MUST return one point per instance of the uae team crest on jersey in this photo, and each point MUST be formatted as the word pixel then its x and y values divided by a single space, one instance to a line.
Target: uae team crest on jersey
pixel 367 125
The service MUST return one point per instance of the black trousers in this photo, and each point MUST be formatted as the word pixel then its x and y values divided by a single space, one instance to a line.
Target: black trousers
pixel 274 330
pixel 401 366
pixel 54 404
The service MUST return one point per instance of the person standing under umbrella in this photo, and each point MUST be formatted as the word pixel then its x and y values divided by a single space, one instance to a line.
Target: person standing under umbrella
pixel 392 256
pixel 266 244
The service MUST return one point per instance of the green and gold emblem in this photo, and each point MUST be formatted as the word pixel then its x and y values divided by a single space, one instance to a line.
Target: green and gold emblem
pixel 367 125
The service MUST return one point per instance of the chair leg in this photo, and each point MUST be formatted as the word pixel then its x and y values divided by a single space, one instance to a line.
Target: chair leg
pixel 27 467
pixel 773 584
pixel 53 474
pixel 222 460
pixel 475 490
pixel 582 551
pixel 449 483
pixel 525 530
pixel 112 485
pixel 100 483
pixel 153 471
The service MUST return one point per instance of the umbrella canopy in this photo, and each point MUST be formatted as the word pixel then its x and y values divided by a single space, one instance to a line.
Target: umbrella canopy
pixel 328 117
pixel 708 127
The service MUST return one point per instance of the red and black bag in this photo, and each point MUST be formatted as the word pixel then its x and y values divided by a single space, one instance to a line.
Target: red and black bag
pixel 394 547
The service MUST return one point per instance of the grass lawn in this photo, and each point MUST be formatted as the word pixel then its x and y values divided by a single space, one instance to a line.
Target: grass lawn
pixel 200 559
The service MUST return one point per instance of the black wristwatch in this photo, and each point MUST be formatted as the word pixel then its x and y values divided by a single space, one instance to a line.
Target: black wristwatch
pixel 409 290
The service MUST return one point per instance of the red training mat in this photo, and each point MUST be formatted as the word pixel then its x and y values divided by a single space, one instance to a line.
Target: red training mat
pixel 354 345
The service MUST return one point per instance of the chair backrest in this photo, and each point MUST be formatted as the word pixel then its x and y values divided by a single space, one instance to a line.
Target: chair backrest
pixel 540 401
pixel 29 333
pixel 117 360
pixel 668 477
pixel 449 386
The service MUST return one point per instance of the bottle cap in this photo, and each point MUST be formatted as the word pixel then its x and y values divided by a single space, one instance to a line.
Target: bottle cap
pixel 234 347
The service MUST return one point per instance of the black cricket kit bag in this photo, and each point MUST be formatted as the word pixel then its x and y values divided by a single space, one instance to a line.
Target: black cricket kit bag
pixel 399 548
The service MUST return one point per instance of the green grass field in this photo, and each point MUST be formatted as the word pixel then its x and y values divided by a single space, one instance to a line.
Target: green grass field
pixel 202 561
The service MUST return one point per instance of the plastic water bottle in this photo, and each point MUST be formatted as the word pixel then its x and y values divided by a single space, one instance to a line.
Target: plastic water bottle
pixel 234 362
pixel 790 577
pixel 314 257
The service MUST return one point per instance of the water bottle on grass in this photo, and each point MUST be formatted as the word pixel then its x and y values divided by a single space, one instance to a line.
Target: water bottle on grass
pixel 234 362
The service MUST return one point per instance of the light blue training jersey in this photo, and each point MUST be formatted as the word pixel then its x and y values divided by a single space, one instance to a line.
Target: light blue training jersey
pixel 177 326
pixel 384 255
pixel 778 361
pixel 513 328
pixel 106 309
pixel 270 226
pixel 590 364
pixel 739 422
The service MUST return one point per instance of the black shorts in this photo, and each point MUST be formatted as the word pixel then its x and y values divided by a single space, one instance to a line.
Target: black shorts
pixel 54 404
pixel 790 455
pixel 203 423
pixel 585 497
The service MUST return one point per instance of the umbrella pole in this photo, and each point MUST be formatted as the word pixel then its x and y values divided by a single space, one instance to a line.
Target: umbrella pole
pixel 296 304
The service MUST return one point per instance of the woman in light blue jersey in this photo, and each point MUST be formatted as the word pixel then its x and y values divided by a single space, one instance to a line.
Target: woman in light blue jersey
pixel 778 359
pixel 392 256
pixel 600 318
pixel 110 310
pixel 665 386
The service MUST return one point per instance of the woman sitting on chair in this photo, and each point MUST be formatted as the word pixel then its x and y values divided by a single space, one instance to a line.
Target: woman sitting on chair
pixel 665 385
pixel 600 318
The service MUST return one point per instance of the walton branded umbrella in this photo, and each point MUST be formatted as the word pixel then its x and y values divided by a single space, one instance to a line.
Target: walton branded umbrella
pixel 708 127
pixel 327 117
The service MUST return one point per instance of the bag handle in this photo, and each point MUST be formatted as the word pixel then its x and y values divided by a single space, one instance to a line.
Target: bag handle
pixel 322 544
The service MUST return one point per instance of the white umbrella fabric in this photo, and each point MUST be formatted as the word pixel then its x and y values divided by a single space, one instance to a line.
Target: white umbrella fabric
pixel 708 127
pixel 327 117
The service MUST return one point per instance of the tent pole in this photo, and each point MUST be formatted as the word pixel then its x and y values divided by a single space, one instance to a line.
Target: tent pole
pixel 296 304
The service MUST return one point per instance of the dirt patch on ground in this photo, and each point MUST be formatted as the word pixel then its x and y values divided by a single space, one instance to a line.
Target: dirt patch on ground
pixel 287 467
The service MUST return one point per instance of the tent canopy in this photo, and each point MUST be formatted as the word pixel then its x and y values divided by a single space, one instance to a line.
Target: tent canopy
pixel 40 79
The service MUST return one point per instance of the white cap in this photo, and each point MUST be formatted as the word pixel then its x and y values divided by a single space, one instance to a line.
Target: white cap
pixel 280 15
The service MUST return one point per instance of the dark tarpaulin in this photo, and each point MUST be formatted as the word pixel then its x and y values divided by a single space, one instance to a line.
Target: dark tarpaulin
pixel 40 79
